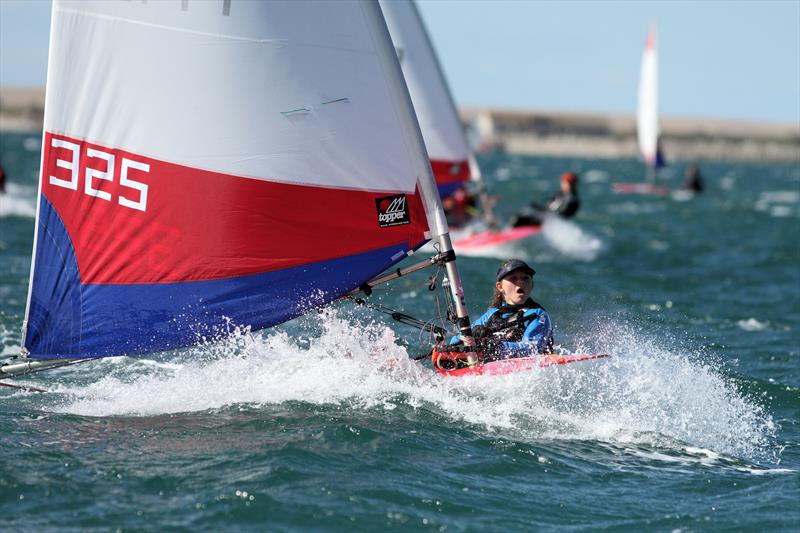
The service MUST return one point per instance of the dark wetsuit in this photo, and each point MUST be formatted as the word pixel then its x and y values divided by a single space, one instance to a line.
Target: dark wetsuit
pixel 694 182
pixel 563 204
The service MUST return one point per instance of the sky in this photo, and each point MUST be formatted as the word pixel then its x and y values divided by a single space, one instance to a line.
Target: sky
pixel 717 59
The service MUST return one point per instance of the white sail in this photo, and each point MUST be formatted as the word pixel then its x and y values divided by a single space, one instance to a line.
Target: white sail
pixel 647 116
pixel 438 117
pixel 215 163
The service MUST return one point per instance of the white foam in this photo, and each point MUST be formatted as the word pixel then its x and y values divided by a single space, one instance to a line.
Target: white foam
pixel 595 176
pixel 779 204
pixel 727 183
pixel 570 240
pixel 787 197
pixel 766 471
pixel 681 195
pixel 32 144
pixel 643 394
pixel 635 208
pixel 502 174
pixel 751 324
pixel 19 201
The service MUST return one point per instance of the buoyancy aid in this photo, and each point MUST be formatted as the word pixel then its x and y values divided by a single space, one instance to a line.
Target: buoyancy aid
pixel 510 321
pixel 509 331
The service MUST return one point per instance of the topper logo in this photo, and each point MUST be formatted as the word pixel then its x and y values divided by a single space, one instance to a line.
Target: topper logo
pixel 92 173
pixel 392 210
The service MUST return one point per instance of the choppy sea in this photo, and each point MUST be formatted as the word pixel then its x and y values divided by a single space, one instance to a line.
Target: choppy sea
pixel 327 424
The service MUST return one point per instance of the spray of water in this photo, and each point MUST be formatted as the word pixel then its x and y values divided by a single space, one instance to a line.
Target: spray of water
pixel 570 240
pixel 18 201
pixel 559 239
pixel 645 394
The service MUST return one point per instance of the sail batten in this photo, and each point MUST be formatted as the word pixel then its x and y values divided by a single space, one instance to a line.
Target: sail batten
pixel 204 170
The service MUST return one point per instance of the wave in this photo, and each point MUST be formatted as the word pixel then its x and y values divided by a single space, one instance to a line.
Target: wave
pixel 559 239
pixel 751 324
pixel 644 395
pixel 18 201
pixel 779 204
pixel 569 240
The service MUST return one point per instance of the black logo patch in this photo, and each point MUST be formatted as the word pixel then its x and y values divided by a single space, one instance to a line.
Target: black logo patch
pixel 393 210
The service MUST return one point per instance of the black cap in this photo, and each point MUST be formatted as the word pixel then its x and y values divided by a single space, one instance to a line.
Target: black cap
pixel 511 265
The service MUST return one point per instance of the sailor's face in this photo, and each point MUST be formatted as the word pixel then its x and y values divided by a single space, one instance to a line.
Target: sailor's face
pixel 516 287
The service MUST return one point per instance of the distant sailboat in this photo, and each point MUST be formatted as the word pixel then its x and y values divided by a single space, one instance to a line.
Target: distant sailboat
pixel 647 130
pixel 441 127
pixel 452 160
pixel 210 165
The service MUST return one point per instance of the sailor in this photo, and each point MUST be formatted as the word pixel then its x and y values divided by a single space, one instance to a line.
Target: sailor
pixel 460 207
pixel 694 181
pixel 564 204
pixel 514 325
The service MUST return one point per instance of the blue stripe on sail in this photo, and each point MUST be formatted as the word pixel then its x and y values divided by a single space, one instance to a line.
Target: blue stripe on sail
pixel 54 311
pixel 68 320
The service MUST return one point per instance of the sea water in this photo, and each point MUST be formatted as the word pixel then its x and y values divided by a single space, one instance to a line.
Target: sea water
pixel 326 422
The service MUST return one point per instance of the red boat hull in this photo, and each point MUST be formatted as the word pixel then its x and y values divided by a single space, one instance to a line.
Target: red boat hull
pixel 640 188
pixel 494 238
pixel 518 364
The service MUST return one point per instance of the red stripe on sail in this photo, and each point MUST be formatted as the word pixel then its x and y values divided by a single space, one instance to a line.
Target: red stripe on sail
pixel 196 224
pixel 447 172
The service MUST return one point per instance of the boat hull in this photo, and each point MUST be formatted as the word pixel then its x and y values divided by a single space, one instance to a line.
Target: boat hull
pixel 518 364
pixel 487 238
pixel 640 188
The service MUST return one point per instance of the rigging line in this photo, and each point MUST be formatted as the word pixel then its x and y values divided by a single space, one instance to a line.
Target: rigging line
pixel 22 387
pixel 403 318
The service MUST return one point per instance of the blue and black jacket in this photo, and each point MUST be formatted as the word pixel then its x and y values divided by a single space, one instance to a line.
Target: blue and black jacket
pixel 514 330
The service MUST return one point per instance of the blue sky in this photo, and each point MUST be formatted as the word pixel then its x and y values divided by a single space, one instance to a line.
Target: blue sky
pixel 722 59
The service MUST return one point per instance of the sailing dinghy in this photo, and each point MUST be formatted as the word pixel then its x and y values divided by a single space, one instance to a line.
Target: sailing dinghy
pixel 451 158
pixel 647 130
pixel 210 165
pixel 441 128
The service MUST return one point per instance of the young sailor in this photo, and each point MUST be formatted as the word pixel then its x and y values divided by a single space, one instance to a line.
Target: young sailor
pixel 514 325
pixel 564 204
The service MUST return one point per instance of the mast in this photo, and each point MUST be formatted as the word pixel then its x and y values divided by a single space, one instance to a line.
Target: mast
pixel 433 204
pixel 23 350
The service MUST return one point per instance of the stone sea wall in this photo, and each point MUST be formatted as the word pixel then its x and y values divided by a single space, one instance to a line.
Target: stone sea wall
pixel 551 133
pixel 611 136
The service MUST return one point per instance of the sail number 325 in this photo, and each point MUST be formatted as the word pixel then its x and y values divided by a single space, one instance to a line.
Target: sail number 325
pixel 91 174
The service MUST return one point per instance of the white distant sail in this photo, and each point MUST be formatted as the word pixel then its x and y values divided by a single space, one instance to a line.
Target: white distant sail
pixel 647 116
